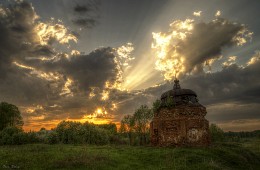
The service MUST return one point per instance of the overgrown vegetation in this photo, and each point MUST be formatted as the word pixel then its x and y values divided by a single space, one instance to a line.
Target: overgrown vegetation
pixel 158 104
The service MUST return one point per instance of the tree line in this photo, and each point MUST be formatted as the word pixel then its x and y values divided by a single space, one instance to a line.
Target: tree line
pixel 67 132
pixel 134 130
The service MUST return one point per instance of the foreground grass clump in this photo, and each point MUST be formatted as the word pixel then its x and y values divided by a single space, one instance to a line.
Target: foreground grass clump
pixel 42 156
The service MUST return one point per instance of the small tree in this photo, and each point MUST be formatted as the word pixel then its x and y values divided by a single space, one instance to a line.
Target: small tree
pixel 217 134
pixel 142 118
pixel 127 126
pixel 10 116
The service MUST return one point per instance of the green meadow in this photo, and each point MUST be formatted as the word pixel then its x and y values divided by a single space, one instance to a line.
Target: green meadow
pixel 238 155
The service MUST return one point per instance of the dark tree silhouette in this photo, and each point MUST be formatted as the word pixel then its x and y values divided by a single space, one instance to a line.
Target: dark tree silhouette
pixel 10 116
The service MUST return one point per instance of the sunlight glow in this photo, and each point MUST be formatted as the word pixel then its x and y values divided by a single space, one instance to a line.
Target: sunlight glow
pixel 218 13
pixel 169 61
pixel 242 37
pixel 66 88
pixel 197 13
pixel 50 31
pixel 123 58
pixel 92 93
pixel 23 66
pixel 105 95
pixel 114 106
pixel 100 116
pixel 139 75
pixel 254 59
pixel 75 52
pixel 40 74
pixel 32 109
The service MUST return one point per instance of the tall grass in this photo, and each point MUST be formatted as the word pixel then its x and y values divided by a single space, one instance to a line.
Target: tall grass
pixel 219 156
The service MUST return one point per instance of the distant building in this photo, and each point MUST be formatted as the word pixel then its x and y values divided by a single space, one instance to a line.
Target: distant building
pixel 180 120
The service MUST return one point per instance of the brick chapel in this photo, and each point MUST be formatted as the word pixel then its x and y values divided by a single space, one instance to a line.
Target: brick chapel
pixel 181 124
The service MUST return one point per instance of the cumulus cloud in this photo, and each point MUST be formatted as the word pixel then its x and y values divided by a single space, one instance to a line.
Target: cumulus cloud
pixel 188 45
pixel 86 13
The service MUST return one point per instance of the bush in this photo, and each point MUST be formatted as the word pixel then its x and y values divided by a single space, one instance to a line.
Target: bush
pixel 16 136
pixel 75 133
pixel 119 139
pixel 52 138
pixel 95 135
pixel 111 127
pixel 7 134
pixel 20 138
pixel 33 137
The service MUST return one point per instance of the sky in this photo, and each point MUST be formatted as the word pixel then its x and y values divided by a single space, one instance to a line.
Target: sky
pixel 99 60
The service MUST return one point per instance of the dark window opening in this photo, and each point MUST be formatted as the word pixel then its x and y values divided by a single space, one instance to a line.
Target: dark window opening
pixel 156 131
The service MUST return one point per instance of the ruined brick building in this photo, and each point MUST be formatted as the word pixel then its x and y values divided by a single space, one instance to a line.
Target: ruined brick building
pixel 180 120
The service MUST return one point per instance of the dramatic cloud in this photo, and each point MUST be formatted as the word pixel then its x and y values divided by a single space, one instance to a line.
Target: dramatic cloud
pixel 49 84
pixel 234 83
pixel 22 42
pixel 86 13
pixel 188 45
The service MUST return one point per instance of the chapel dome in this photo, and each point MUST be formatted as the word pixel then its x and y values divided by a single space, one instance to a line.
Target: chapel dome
pixel 178 94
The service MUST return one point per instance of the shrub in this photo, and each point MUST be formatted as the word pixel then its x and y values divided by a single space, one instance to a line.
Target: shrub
pixel 6 135
pixel 101 136
pixel 52 138
pixel 33 137
pixel 20 138
pixel 169 102
pixel 74 132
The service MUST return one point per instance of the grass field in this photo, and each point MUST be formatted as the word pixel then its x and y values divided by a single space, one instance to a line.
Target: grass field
pixel 244 155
